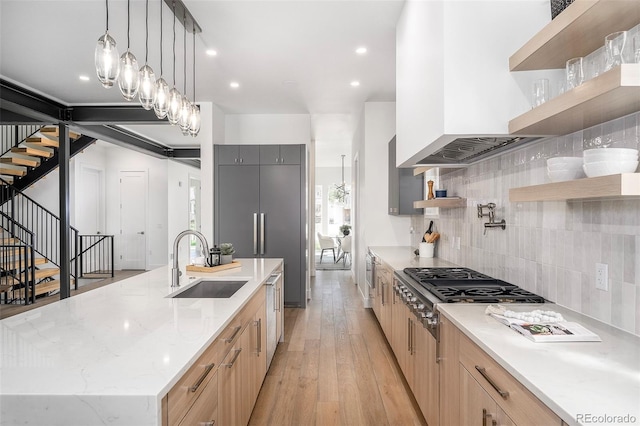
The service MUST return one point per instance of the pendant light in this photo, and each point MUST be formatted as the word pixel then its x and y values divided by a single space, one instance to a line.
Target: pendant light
pixel 147 93
pixel 185 108
pixel 161 103
pixel 129 79
pixel 175 99
pixel 106 57
pixel 194 119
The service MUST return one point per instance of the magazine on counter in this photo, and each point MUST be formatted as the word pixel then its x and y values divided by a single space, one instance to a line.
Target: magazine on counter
pixel 562 331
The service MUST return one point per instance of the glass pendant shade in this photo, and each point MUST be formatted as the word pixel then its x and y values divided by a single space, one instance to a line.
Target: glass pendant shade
pixel 147 92
pixel 175 104
pixel 194 121
pixel 129 79
pixel 185 114
pixel 161 103
pixel 106 60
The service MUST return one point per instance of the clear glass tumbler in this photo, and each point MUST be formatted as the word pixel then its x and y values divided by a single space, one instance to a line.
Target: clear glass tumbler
pixel 575 73
pixel 614 46
pixel 540 92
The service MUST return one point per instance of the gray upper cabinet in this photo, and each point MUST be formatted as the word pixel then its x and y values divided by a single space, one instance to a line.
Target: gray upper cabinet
pixel 281 154
pixel 240 155
pixel 404 187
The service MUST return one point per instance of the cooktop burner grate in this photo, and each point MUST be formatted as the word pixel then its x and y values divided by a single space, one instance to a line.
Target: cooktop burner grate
pixel 466 285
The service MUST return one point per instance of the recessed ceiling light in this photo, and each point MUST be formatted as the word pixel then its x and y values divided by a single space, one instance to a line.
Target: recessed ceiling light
pixel 84 78
pixel 355 83
pixel 234 84
pixel 361 50
pixel 212 52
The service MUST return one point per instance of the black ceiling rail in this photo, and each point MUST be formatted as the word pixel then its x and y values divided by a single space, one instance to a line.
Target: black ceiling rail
pixel 99 122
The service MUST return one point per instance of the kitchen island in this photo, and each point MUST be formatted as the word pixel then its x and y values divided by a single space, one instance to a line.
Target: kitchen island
pixel 110 355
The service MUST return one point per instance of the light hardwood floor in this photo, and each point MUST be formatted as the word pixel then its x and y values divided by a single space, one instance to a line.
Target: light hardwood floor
pixel 335 367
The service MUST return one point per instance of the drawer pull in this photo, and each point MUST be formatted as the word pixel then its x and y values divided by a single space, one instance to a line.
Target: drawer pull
pixel 233 336
pixel 204 374
pixel 235 357
pixel 483 372
pixel 209 423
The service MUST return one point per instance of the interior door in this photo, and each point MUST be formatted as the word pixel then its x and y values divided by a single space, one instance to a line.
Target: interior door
pixel 281 195
pixel 133 217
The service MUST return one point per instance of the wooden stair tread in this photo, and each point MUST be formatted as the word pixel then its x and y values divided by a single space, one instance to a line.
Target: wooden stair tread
pixel 32 151
pixel 18 161
pixel 8 240
pixel 54 131
pixel 7 180
pixel 47 142
pixel 12 172
pixel 46 273
pixel 21 264
pixel 43 287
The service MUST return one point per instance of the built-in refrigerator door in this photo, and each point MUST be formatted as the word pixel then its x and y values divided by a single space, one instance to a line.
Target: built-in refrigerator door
pixel 237 207
pixel 281 202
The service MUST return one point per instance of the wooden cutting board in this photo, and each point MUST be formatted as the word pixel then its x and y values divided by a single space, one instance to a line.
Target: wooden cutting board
pixel 233 264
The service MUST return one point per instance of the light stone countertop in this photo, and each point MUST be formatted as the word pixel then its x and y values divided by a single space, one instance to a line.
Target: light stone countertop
pixel 108 356
pixel 572 378
pixel 400 257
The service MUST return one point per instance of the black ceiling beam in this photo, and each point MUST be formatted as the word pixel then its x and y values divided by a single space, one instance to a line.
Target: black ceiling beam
pixel 113 114
pixel 10 117
pixel 29 104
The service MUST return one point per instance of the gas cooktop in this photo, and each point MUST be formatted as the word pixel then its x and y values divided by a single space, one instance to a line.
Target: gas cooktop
pixel 466 285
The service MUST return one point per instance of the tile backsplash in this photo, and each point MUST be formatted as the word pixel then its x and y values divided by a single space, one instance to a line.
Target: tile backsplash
pixel 550 248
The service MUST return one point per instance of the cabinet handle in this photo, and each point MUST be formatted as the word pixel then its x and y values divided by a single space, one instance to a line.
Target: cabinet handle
pixel 202 377
pixel 281 160
pixel 382 290
pixel 241 160
pixel 485 415
pixel 255 233
pixel 277 160
pixel 209 423
pixel 261 233
pixel 483 372
pixel 258 325
pixel 235 357
pixel 235 160
pixel 409 334
pixel 278 299
pixel 233 336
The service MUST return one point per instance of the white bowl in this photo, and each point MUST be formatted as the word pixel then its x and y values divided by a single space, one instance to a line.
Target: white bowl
pixel 564 162
pixel 563 175
pixel 610 151
pixel 565 167
pixel 603 168
pixel 605 156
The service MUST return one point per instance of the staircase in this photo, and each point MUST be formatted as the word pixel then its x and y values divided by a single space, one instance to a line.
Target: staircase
pixel 29 233
pixel 30 152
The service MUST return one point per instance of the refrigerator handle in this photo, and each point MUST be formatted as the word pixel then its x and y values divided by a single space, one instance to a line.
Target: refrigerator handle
pixel 261 233
pixel 255 233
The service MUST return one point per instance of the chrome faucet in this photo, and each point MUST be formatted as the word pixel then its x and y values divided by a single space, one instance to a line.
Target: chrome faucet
pixel 175 271
pixel 492 217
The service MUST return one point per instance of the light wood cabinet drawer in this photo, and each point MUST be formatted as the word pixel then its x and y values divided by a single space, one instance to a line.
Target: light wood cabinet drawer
pixel 518 403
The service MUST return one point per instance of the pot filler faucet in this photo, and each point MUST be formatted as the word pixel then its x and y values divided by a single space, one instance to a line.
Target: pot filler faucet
pixel 492 217
pixel 175 271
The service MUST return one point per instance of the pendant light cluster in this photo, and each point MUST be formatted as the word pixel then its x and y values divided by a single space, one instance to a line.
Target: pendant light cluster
pixel 134 81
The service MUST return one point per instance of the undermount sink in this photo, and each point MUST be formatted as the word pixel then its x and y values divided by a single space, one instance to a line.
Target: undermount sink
pixel 215 289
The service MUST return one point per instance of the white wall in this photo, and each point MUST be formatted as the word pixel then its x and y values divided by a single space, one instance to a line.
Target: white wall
pixel 212 133
pixel 267 129
pixel 374 226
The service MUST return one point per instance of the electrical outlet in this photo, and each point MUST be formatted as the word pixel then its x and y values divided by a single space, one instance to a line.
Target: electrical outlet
pixel 602 276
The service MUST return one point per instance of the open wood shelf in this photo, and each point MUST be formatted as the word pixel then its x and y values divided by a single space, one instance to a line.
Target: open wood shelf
pixel 440 202
pixel 576 31
pixel 606 97
pixel 612 186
